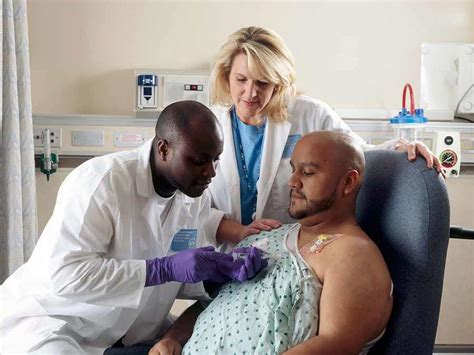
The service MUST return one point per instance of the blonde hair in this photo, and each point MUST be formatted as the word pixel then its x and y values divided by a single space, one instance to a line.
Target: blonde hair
pixel 268 58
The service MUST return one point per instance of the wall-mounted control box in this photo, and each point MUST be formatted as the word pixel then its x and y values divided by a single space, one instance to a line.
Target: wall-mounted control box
pixel 156 89
pixel 54 136
pixel 447 147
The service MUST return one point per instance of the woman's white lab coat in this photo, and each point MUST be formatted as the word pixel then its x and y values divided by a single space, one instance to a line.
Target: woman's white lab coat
pixel 305 115
pixel 83 287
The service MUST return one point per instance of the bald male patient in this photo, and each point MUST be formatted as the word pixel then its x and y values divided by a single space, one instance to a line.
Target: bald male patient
pixel 327 289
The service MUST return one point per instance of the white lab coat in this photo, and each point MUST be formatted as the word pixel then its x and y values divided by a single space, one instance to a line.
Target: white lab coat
pixel 305 115
pixel 83 287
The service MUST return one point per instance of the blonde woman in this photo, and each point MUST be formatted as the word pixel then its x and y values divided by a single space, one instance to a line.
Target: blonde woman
pixel 253 85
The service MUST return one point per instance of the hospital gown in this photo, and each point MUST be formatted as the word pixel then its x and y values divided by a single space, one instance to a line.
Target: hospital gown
pixel 269 314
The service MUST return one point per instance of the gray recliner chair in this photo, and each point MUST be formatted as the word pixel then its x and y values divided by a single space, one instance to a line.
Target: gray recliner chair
pixel 403 206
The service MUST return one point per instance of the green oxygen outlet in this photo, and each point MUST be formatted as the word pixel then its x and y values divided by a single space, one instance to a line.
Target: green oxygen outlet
pixel 49 164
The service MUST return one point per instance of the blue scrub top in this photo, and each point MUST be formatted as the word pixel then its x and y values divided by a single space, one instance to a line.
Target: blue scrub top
pixel 248 144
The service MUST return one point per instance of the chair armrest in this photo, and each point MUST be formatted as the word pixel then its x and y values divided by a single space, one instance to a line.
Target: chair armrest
pixel 461 233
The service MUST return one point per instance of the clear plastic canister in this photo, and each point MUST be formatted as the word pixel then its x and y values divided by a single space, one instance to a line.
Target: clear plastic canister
pixel 409 131
pixel 408 124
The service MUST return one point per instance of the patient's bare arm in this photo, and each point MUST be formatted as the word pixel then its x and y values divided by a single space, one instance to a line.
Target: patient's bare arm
pixel 355 302
pixel 179 333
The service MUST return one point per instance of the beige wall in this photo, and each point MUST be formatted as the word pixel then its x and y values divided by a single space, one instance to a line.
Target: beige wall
pixel 352 54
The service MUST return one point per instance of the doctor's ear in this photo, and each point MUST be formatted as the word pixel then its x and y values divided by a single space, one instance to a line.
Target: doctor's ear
pixel 163 149
pixel 351 181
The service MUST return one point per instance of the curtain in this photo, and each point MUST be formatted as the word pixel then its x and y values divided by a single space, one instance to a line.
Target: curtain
pixel 18 223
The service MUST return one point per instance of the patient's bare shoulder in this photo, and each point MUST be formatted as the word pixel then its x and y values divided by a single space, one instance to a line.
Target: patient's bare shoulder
pixel 356 285
pixel 355 250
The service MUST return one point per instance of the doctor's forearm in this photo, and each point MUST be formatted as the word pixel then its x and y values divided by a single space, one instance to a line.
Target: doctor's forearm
pixel 182 329
pixel 229 231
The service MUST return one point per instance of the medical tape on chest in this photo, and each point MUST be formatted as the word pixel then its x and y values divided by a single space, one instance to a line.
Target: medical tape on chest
pixel 318 244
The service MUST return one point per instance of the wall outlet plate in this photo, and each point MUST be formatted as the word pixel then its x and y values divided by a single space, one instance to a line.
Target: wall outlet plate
pixel 54 136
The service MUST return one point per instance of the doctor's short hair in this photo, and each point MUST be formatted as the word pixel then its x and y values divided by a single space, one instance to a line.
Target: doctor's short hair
pixel 180 118
pixel 268 58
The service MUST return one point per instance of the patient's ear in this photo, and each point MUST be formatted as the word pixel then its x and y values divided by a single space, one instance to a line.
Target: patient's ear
pixel 351 181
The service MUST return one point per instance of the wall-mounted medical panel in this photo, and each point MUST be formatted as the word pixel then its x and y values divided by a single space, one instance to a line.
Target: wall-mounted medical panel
pixel 78 141
pixel 380 131
pixel 185 87
pixel 130 138
pixel 157 88
pixel 127 132
pixel 87 138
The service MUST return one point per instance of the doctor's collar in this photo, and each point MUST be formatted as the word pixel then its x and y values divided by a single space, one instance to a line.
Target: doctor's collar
pixel 236 120
pixel 166 198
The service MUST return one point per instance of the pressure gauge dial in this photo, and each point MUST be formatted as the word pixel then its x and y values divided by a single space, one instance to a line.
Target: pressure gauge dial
pixel 448 158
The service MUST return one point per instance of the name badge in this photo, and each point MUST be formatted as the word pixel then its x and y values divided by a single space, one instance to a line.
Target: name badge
pixel 184 239
pixel 290 145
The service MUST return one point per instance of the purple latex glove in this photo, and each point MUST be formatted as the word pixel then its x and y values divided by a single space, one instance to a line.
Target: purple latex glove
pixel 188 266
pixel 249 264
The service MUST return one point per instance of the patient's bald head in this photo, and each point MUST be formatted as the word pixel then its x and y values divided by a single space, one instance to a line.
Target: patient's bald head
pixel 328 168
pixel 345 152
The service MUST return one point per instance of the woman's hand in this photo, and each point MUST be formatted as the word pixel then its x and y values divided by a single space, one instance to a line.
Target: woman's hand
pixel 418 148
pixel 166 346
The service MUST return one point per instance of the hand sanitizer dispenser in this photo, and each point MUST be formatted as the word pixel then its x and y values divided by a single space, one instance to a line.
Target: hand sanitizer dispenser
pixel 147 93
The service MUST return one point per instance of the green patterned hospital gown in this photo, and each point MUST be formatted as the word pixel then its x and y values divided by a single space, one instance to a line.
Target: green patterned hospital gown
pixel 266 315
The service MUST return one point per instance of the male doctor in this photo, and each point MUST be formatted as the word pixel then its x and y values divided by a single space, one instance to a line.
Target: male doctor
pixel 125 239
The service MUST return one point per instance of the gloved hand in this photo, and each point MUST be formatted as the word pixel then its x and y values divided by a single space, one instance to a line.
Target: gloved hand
pixel 188 266
pixel 248 263
pixel 194 265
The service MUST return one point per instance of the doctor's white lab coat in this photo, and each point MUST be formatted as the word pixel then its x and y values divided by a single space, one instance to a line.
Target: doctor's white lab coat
pixel 83 287
pixel 305 115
